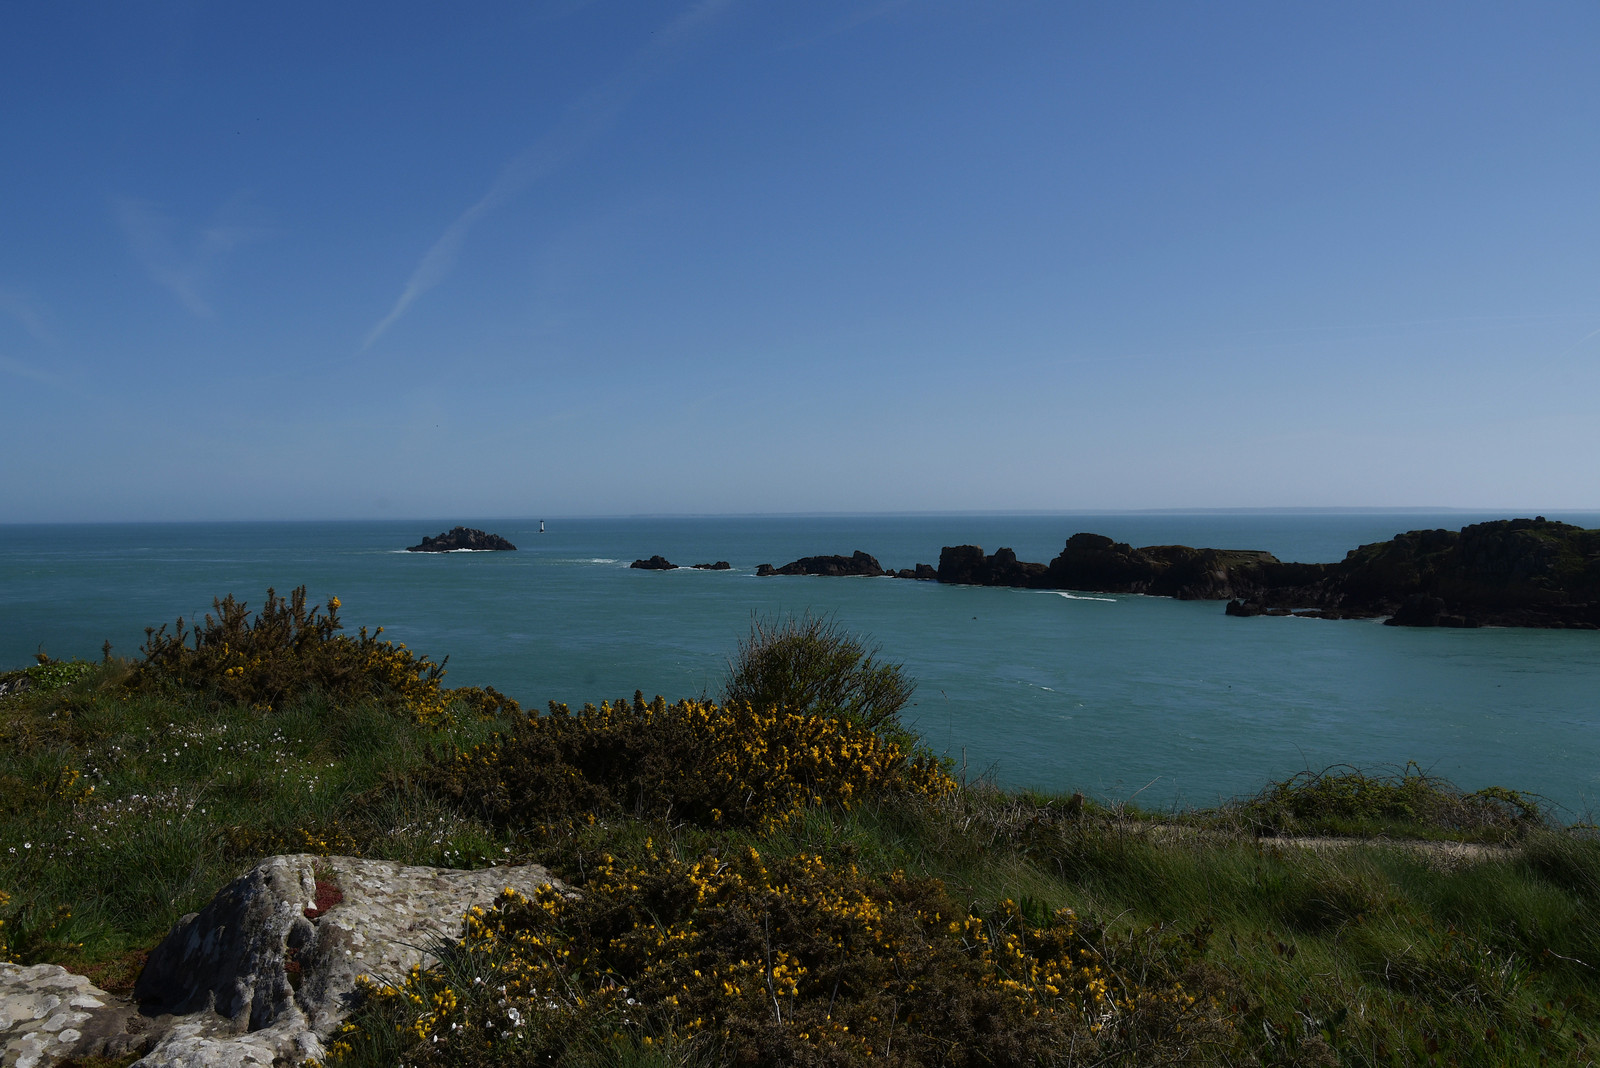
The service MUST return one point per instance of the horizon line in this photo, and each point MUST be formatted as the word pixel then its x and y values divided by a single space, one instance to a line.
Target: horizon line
pixel 910 513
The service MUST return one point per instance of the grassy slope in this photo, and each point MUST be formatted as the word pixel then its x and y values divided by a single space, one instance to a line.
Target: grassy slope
pixel 1372 954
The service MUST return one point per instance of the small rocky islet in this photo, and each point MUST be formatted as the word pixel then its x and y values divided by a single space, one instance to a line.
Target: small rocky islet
pixel 661 563
pixel 457 539
pixel 1510 573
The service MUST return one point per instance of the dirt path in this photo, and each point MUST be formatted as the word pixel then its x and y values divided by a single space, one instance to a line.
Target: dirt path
pixel 1445 853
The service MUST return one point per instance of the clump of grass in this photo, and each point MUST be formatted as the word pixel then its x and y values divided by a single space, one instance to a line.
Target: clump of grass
pixel 29 931
pixel 809 665
pixel 1344 800
pixel 730 766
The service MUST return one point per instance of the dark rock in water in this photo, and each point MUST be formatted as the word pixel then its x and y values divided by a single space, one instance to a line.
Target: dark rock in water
pixel 1513 573
pixel 462 538
pixel 1421 610
pixel 1418 610
pixel 720 565
pixel 1236 607
pixel 858 563
pixel 1098 564
pixel 960 564
pixel 655 563
pixel 967 565
pixel 1095 563
pixel 1509 573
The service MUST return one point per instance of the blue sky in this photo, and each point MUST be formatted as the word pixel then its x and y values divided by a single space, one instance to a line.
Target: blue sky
pixel 312 260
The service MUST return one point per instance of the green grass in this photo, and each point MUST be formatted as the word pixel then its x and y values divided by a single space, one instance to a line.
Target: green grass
pixel 130 810
pixel 123 808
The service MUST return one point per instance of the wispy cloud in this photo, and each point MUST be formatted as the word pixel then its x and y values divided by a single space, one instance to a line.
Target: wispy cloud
pixel 183 265
pixel 29 313
pixel 585 121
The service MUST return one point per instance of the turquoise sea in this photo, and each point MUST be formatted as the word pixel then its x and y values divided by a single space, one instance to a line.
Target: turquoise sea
pixel 1172 702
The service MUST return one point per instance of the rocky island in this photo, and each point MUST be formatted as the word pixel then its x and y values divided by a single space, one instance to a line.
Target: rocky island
pixel 661 563
pixel 459 538
pixel 858 563
pixel 1510 572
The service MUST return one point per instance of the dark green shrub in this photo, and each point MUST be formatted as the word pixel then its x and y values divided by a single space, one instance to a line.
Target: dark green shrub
pixel 808 665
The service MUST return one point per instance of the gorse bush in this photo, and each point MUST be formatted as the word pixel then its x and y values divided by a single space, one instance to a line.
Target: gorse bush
pixel 289 651
pixel 788 961
pixel 716 765
pixel 808 665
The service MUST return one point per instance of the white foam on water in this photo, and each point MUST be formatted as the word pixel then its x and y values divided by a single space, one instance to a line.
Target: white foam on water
pixel 1076 597
pixel 439 552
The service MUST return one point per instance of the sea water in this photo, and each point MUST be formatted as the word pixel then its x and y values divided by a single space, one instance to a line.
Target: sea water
pixel 1167 702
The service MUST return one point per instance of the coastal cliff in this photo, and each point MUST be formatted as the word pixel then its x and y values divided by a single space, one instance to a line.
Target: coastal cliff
pixel 1512 572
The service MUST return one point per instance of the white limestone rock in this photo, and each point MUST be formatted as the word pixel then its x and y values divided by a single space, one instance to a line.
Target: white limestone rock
pixel 220 980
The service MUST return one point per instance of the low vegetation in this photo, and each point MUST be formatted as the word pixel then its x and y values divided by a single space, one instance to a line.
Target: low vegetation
pixel 809 665
pixel 782 881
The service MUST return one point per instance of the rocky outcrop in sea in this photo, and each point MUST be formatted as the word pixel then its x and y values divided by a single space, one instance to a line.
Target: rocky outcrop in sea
pixel 661 563
pixel 458 538
pixel 1510 572
pixel 857 563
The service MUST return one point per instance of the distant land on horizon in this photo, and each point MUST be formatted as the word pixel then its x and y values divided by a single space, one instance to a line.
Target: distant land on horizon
pixel 502 517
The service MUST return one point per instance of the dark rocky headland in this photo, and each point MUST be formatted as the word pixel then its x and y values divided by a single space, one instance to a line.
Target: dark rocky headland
pixel 1509 573
pixel 462 538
